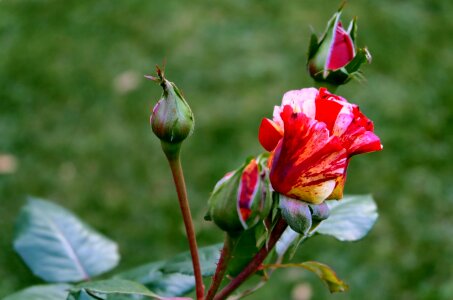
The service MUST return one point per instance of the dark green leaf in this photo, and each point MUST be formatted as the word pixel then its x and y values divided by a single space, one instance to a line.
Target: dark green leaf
pixel 165 284
pixel 174 277
pixel 42 292
pixel 182 263
pixel 58 247
pixel 111 289
pixel 350 218
pixel 244 249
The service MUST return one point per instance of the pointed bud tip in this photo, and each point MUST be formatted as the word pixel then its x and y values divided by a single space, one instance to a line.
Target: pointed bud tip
pixel 342 5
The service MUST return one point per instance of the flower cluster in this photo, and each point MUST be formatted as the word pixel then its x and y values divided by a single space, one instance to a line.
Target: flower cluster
pixel 311 138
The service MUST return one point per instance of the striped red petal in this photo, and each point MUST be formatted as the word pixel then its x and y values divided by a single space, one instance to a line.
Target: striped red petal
pixel 248 188
pixel 307 161
pixel 346 121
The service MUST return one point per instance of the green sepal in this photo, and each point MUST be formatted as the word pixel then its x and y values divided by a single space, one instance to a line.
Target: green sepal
pixel 313 45
pixel 222 204
pixel 352 29
pixel 296 213
pixel 319 212
pixel 362 56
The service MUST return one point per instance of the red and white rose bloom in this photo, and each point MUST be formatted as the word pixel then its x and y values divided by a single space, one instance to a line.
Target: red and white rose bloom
pixel 311 138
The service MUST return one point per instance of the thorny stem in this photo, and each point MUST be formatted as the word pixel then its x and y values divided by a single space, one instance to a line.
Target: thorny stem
pixel 178 178
pixel 255 263
pixel 222 265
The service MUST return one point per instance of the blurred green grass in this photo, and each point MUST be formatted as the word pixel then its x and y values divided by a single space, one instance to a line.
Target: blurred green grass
pixel 74 111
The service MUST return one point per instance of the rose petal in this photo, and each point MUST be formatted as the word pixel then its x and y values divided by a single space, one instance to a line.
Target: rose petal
pixel 247 190
pixel 302 100
pixel 269 134
pixel 342 49
pixel 337 193
pixel 359 136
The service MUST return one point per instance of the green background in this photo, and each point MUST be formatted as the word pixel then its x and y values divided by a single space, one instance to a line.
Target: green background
pixel 74 110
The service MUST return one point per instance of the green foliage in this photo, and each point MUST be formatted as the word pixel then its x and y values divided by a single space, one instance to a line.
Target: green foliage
pixel 42 292
pixel 165 284
pixel 58 247
pixel 112 289
pixel 350 218
pixel 174 277
pixel 244 248
pixel 182 263
pixel 326 274
pixel 323 271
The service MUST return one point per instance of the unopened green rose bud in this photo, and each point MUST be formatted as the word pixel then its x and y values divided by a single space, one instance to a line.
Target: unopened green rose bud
pixel 172 120
pixel 242 197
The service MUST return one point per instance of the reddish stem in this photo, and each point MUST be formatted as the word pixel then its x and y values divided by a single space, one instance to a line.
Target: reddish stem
pixel 222 265
pixel 178 178
pixel 255 263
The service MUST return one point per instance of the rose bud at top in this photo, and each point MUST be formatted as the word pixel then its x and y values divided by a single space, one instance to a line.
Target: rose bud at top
pixel 312 136
pixel 172 120
pixel 333 59
pixel 242 197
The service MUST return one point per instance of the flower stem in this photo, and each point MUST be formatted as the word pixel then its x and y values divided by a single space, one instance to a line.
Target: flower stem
pixel 178 178
pixel 330 87
pixel 255 263
pixel 222 265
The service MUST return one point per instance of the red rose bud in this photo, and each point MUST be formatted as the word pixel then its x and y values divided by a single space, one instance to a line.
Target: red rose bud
pixel 172 120
pixel 312 136
pixel 296 213
pixel 242 197
pixel 333 59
